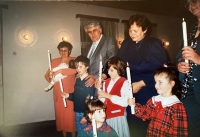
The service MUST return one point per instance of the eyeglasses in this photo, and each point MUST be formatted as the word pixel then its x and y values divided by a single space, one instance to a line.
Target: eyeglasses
pixel 191 2
pixel 93 31
pixel 63 50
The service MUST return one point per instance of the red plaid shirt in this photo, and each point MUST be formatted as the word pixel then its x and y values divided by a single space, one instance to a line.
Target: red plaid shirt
pixel 168 121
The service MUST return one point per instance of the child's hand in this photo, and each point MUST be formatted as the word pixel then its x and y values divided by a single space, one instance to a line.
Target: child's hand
pixel 131 101
pixel 64 95
pixel 98 84
pixel 102 94
pixel 83 120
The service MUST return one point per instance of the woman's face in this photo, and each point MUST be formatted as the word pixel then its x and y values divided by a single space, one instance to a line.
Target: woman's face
pixel 136 33
pixel 194 7
pixel 64 52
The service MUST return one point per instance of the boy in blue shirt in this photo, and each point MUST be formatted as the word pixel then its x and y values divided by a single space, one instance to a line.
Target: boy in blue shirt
pixel 80 91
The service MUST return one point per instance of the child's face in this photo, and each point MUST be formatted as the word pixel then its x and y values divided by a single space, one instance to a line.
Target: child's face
pixel 163 85
pixel 113 73
pixel 100 115
pixel 81 68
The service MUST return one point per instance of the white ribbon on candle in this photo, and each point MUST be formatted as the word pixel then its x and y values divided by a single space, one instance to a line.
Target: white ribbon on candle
pixel 94 127
pixel 185 41
pixel 61 88
pixel 49 58
pixel 100 70
pixel 130 86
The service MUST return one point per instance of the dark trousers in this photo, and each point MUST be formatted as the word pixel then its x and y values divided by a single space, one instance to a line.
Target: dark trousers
pixel 193 112
pixel 137 127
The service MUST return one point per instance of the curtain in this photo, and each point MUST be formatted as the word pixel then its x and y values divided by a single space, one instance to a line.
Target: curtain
pixel 109 28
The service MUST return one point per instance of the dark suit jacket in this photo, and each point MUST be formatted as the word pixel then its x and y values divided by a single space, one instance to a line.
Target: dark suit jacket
pixel 107 48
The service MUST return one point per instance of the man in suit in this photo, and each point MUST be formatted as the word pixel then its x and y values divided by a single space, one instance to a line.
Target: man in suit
pixel 101 45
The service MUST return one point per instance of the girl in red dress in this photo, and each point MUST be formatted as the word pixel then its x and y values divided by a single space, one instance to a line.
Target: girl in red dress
pixel 166 113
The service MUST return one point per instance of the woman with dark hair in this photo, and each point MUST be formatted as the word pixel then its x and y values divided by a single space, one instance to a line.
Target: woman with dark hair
pixel 144 55
pixel 190 71
pixel 65 117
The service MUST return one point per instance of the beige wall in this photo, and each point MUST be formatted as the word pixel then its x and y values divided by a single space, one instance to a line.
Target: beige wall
pixel 24 66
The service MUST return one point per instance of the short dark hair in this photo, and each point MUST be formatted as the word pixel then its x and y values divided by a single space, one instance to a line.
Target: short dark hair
pixel 83 59
pixel 72 64
pixel 65 44
pixel 117 64
pixel 91 105
pixel 141 21
pixel 172 74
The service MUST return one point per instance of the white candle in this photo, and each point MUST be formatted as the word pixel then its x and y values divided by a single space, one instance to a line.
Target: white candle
pixel 61 87
pixel 94 127
pixel 49 58
pixel 130 86
pixel 185 42
pixel 100 70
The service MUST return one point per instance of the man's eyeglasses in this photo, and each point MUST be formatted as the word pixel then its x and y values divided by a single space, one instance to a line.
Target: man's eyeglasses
pixel 191 2
pixel 93 31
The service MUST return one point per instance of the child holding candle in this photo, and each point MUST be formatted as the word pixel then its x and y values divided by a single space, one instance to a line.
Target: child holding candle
pixel 165 111
pixel 58 75
pixel 115 95
pixel 80 91
pixel 95 110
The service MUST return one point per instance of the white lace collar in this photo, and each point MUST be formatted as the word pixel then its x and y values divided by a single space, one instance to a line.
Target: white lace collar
pixel 166 101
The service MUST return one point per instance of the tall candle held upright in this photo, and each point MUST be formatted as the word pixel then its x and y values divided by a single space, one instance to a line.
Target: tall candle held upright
pixel 94 127
pixel 100 69
pixel 49 58
pixel 61 88
pixel 185 41
pixel 130 86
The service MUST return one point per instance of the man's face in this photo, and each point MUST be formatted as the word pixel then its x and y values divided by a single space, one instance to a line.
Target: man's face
pixel 94 33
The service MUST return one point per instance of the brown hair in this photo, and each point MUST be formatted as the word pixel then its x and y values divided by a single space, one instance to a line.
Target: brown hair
pixel 117 64
pixel 172 74
pixel 141 21
pixel 65 44
pixel 91 105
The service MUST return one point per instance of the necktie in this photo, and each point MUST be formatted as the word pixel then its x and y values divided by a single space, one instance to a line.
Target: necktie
pixel 92 51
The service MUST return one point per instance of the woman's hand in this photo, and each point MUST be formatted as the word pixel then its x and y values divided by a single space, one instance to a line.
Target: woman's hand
pixel 131 101
pixel 48 76
pixel 102 94
pixel 183 67
pixel 90 81
pixel 83 121
pixel 56 72
pixel 138 85
pixel 64 95
pixel 189 54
